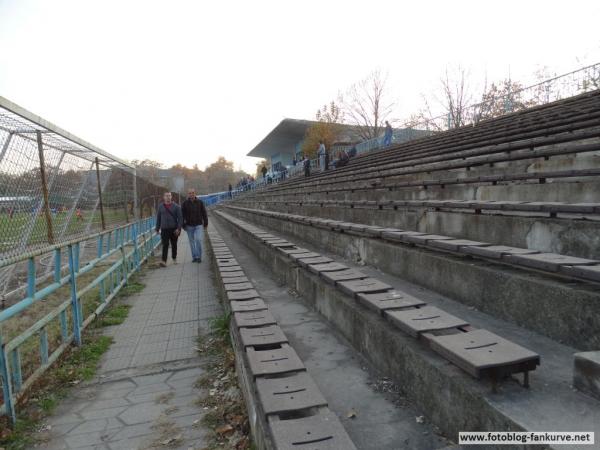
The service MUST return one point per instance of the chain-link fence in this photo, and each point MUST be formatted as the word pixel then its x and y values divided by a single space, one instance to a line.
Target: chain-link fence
pixel 55 187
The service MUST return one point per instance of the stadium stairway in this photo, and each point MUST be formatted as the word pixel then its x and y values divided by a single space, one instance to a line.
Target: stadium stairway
pixel 489 233
pixel 440 364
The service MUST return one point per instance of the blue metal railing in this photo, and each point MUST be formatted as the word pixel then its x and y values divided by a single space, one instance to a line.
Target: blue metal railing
pixel 127 247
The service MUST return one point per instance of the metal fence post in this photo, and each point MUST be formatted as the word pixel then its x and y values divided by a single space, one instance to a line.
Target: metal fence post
pixel 45 188
pixel 74 302
pixel 100 195
pixel 124 196
pixel 6 384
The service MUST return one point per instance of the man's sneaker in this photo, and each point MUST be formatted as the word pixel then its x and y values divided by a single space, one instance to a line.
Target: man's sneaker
pixel 162 264
pixel 195 260
pixel 174 261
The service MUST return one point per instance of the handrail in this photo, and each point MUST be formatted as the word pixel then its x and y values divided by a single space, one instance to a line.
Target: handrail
pixel 133 243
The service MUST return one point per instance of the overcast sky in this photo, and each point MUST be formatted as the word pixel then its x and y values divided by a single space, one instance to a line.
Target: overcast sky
pixel 187 81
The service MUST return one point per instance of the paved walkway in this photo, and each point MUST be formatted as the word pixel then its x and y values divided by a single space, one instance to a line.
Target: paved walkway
pixel 143 394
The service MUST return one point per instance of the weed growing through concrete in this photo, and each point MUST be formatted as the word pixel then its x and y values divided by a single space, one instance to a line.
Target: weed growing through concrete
pixel 225 411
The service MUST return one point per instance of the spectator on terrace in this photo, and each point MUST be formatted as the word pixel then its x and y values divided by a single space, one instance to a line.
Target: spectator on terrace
pixel 169 221
pixel 294 161
pixel 230 189
pixel 264 171
pixel 322 153
pixel 194 219
pixel 306 164
pixel 342 160
pixel 387 137
pixel 78 214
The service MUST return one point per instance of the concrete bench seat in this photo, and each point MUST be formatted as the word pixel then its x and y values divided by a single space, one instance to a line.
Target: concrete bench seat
pixel 586 272
pixel 455 245
pixel 292 392
pixel 322 431
pixel 299 256
pixel 274 361
pixel 484 354
pixel 293 251
pixel 242 279
pixel 375 231
pixel 327 267
pixel 255 304
pixel 226 262
pixel 399 235
pixel 423 239
pixel 363 286
pixel 388 300
pixel 251 319
pixel 232 268
pixel 231 286
pixel 423 320
pixel 262 336
pixel 497 251
pixel 343 275
pixel 247 294
pixel 232 275
pixel 548 261
pixel 304 262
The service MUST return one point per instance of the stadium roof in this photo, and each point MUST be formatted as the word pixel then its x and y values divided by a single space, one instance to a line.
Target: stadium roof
pixel 284 136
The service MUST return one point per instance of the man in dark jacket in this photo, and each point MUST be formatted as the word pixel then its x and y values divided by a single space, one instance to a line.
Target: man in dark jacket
pixel 168 223
pixel 194 219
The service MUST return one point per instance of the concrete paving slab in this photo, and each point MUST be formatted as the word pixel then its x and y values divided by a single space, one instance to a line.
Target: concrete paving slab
pixel 142 375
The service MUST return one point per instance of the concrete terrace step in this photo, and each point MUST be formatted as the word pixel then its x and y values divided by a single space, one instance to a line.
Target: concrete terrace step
pixel 276 384
pixel 543 295
pixel 522 257
pixel 462 404
pixel 374 418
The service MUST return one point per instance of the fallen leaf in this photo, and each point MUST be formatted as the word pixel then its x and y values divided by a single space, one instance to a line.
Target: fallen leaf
pixel 351 414
pixel 171 440
pixel 420 419
pixel 224 429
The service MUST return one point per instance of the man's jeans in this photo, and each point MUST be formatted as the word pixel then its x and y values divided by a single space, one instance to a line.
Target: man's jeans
pixel 195 238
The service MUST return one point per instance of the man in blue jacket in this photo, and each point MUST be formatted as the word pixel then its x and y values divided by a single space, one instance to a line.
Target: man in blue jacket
pixel 169 221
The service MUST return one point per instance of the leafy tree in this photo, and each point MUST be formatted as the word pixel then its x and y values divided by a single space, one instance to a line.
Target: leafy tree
pixel 326 129
pixel 506 96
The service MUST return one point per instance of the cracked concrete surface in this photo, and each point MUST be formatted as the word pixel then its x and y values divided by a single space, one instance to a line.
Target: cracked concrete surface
pixel 144 393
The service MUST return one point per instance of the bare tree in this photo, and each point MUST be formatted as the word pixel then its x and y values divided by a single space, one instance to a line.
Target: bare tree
pixel 366 105
pixel 454 99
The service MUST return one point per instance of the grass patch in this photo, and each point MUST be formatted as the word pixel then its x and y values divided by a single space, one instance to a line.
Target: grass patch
pixel 115 315
pixel 78 365
pixel 75 366
pixel 220 326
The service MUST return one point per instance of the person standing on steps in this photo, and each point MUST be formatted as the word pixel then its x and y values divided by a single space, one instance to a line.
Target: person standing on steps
pixel 194 220
pixel 322 152
pixel 264 171
pixel 306 163
pixel 169 221
pixel 387 136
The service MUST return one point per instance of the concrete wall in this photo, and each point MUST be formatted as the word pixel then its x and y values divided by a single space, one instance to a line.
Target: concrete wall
pixel 574 237
pixel 568 312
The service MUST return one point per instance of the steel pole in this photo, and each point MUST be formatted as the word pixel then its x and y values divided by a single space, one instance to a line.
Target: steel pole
pixel 45 188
